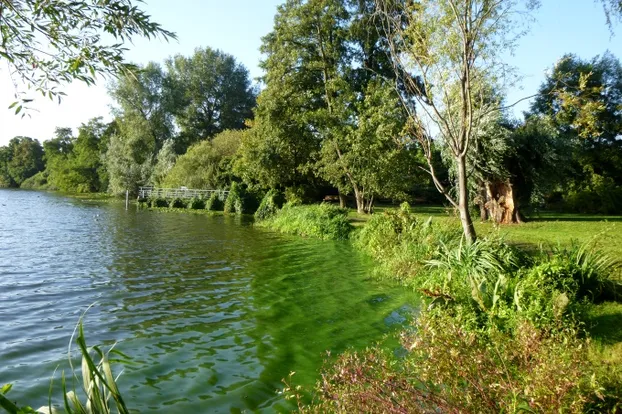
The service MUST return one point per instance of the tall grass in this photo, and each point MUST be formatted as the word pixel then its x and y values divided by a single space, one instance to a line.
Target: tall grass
pixel 99 391
pixel 322 221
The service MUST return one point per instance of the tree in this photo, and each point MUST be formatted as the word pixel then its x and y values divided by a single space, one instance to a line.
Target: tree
pixel 130 156
pixel 165 161
pixel 325 63
pixel 584 100
pixel 438 46
pixel 23 158
pixel 47 43
pixel 213 92
pixel 516 165
pixel 146 98
pixel 207 164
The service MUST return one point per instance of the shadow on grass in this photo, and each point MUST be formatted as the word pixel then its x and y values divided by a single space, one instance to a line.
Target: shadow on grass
pixel 549 216
pixel 604 323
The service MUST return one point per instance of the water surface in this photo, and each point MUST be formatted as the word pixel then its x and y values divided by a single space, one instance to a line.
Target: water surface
pixel 213 311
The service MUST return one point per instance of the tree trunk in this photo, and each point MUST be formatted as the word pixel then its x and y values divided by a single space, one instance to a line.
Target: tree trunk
pixel 481 201
pixel 501 203
pixel 360 200
pixel 370 205
pixel 463 202
pixel 342 200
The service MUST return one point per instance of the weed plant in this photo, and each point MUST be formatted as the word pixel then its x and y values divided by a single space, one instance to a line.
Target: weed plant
pixel 99 387
pixel 448 367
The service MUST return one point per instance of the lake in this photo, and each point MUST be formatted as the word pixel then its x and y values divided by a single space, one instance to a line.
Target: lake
pixel 213 312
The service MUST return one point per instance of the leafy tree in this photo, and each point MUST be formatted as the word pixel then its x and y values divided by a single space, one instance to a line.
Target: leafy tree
pixel 130 156
pixel 584 100
pixel 207 164
pixel 50 42
pixel 21 158
pixel 323 59
pixel 165 161
pixel 212 92
pixel 145 98
pixel 441 46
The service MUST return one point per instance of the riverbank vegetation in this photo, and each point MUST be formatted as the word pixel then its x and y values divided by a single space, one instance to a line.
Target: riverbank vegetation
pixel 392 100
pixel 503 328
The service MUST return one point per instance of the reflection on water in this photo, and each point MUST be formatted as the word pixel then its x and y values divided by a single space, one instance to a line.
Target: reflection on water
pixel 213 311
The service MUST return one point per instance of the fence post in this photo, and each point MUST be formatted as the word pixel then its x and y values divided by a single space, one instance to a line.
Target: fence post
pixel 127 199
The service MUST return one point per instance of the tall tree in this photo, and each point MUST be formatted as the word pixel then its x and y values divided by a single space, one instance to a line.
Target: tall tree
pixel 145 98
pixel 47 43
pixel 213 93
pixel 442 45
pixel 23 159
pixel 324 64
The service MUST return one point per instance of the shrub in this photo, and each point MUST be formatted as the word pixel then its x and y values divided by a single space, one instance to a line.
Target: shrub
pixel 323 221
pixel 39 181
pixel 214 202
pixel 177 203
pixel 401 243
pixel 448 368
pixel 196 203
pixel 158 202
pixel 235 201
pixel 270 205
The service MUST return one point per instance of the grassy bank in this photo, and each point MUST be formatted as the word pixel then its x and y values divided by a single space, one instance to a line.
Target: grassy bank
pixel 525 319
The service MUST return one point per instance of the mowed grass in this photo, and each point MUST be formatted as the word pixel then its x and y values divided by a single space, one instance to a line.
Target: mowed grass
pixel 544 231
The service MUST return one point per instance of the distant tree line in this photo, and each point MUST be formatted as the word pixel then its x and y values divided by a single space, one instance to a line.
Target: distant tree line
pixel 337 113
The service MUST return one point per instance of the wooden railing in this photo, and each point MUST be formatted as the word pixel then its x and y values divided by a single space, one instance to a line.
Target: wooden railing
pixel 170 193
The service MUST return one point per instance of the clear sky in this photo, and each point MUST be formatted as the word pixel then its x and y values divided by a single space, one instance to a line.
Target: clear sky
pixel 236 27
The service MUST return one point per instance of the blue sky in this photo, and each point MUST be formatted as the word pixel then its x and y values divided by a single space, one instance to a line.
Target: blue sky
pixel 236 27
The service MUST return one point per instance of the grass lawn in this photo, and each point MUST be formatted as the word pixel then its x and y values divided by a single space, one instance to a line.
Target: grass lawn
pixel 604 321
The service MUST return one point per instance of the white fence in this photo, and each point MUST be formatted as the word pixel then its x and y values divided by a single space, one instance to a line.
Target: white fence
pixel 183 192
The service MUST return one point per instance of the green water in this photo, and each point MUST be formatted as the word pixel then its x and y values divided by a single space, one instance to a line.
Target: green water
pixel 213 311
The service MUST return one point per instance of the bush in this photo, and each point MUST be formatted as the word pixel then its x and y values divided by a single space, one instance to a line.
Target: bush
pixel 401 243
pixel 270 205
pixel 324 221
pixel 214 202
pixel 39 181
pixel 448 368
pixel 235 201
pixel 196 203
pixel 177 203
pixel 158 203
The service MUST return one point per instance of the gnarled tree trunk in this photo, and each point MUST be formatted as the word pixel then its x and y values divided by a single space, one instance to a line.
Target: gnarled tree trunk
pixel 342 200
pixel 501 203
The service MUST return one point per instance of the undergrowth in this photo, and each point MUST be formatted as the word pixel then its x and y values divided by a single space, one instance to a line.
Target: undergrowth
pixel 502 330
pixel 323 221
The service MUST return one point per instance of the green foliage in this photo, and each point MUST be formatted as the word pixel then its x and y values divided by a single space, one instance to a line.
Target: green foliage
pixel 74 31
pixel 177 203
pixel 99 385
pixel 158 203
pixel 215 202
pixel 450 368
pixel 19 160
pixel 129 158
pixel 212 93
pixel 165 161
pixel 238 200
pixel 196 204
pixel 207 164
pixel 323 221
pixel 401 242
pixel 39 181
pixel 270 205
